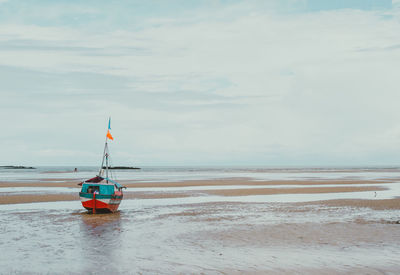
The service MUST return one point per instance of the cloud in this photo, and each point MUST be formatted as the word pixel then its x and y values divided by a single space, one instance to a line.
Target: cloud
pixel 387 48
pixel 240 83
pixel 316 5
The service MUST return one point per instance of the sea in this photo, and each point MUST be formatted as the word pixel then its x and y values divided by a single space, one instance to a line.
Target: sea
pixel 181 173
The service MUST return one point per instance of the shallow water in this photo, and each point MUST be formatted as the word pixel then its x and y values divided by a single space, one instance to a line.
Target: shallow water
pixel 392 190
pixel 203 233
pixel 154 236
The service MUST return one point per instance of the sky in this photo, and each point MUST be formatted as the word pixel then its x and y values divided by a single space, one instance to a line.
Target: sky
pixel 228 82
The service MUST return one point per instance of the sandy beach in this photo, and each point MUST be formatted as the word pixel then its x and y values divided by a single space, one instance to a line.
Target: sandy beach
pixel 213 226
pixel 271 188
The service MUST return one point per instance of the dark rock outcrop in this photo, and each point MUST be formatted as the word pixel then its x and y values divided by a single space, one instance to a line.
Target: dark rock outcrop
pixel 122 168
pixel 16 167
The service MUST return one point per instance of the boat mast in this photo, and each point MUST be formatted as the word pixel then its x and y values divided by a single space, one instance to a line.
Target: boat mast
pixel 105 156
pixel 107 163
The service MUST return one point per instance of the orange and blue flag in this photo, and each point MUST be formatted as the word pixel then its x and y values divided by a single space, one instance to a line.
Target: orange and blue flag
pixel 109 136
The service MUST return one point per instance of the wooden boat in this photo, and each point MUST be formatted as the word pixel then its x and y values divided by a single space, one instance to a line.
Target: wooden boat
pixel 101 193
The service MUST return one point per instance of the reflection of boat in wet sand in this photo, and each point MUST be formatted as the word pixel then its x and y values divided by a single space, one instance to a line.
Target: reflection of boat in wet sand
pixel 101 193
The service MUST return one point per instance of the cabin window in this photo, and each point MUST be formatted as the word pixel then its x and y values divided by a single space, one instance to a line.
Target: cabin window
pixel 92 189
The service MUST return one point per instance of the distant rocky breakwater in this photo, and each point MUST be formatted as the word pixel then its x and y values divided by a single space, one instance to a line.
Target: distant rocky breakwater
pixel 122 168
pixel 16 167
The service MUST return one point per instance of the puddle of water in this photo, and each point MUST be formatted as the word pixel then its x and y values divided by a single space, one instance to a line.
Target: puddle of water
pixel 37 190
pixel 385 194
pixel 393 189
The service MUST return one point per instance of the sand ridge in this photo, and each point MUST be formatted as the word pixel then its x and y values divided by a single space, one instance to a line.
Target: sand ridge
pixel 308 187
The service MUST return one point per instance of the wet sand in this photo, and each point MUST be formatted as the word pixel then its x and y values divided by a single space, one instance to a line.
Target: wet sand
pixel 13 199
pixel 307 188
pixel 200 238
pixel 373 204
pixel 177 231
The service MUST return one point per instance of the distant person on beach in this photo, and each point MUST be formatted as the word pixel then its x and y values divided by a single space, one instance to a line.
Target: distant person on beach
pixel 76 170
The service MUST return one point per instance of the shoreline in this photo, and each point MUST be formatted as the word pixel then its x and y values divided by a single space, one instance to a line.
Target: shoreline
pixel 185 183
pixel 307 187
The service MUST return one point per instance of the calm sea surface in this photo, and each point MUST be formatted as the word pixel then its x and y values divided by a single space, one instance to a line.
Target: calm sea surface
pixel 165 174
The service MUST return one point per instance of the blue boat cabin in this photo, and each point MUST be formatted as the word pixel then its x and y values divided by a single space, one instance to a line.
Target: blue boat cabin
pixel 100 188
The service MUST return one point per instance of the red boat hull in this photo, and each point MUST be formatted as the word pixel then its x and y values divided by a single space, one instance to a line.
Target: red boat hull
pixel 101 204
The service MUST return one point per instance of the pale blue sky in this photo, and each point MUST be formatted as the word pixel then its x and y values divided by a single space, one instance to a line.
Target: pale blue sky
pixel 293 82
pixel 129 14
